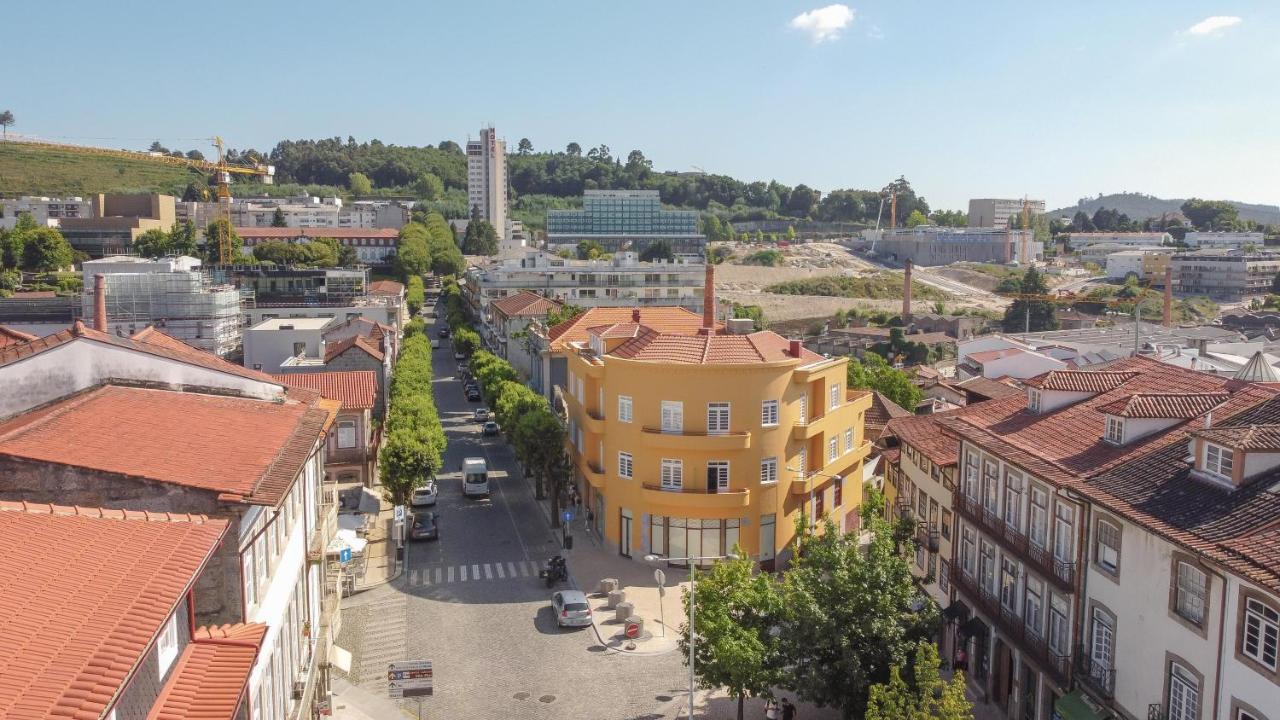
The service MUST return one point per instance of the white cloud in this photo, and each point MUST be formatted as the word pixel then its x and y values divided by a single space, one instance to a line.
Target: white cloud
pixel 1213 25
pixel 824 23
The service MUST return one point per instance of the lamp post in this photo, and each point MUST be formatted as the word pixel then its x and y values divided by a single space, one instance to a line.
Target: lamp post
pixel 692 584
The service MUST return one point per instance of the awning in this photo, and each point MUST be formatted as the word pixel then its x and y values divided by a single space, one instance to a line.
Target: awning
pixel 1075 705
pixel 974 627
pixel 346 539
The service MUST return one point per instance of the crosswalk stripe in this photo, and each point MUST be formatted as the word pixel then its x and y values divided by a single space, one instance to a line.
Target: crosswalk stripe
pixel 501 575
pixel 450 573
pixel 524 570
pixel 413 578
pixel 438 576
pixel 488 572
pixel 475 572
pixel 463 572
pixel 533 567
pixel 511 568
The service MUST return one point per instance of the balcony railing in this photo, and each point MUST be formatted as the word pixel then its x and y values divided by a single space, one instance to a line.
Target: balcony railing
pixel 927 535
pixel 1098 677
pixel 1012 627
pixel 1062 574
pixel 1155 711
pixel 695 490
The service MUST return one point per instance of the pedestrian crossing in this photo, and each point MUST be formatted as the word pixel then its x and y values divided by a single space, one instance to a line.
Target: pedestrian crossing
pixel 473 572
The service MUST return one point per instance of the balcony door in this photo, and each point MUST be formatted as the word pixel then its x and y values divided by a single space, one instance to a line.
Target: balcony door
pixel 717 476
pixel 1102 650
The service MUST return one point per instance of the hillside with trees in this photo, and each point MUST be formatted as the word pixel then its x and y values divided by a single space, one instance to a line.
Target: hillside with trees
pixel 1140 207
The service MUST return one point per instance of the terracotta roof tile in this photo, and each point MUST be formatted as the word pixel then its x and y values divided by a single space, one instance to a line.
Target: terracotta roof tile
pixel 1089 381
pixel 663 319
pixel 989 388
pixel 80 607
pixel 355 389
pixel 9 336
pixel 882 409
pixel 526 304
pixel 249 450
pixel 1164 405
pixel 928 434
pixel 720 349
pixel 211 676
pixel 333 350
pixel 386 287
pixel 1245 437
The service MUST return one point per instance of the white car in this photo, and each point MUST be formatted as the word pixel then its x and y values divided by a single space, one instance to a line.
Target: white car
pixel 435 344
pixel 424 494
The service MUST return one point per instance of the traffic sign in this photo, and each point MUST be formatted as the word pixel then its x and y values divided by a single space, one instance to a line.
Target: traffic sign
pixel 410 678
pixel 344 555
pixel 633 631
pixel 567 516
pixel 659 577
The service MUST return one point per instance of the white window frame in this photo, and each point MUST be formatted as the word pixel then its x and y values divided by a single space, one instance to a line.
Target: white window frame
pixel 1064 540
pixel 721 468
pixel 346 434
pixel 1219 460
pixel 987 565
pixel 802 462
pixel 1059 624
pixel 1038 517
pixel 804 410
pixel 624 408
pixel 1102 643
pixel 1261 629
pixel 1105 554
pixel 167 644
pixel 833 449
pixel 833 394
pixel 672 474
pixel 1013 488
pixel 969 551
pixel 1190 600
pixel 1184 694
pixel 250 577
pixel 769 471
pixel 769 413
pixel 1009 571
pixel 848 440
pixel 626 465
pixel 1115 430
pixel 972 474
pixel 1033 400
pixel 672 416
pixel 718 414
pixel 1033 591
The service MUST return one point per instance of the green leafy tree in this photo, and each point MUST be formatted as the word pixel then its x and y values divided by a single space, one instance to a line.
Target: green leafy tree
pixel 791 233
pixel 657 250
pixel 735 611
pixel 195 192
pixel 466 341
pixel 414 294
pixel 1038 314
pixel 278 252
pixel 1210 214
pixel 218 233
pixel 916 218
pixel 404 462
pixel 360 184
pixel 153 243
pixel 926 696
pixel 6 119
pixel 754 312
pixel 539 440
pixel 589 250
pixel 873 372
pixel 278 218
pixel 573 149
pixel 45 250
pixel 566 312
pixel 428 187
pixel 321 252
pixel 345 256
pixel 850 614
pixel 182 238
pixel 480 239
pixel 949 218
pixel 413 250
pixel 524 147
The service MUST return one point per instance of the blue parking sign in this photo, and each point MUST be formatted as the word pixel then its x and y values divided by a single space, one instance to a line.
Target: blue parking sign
pixel 344 555
pixel 567 516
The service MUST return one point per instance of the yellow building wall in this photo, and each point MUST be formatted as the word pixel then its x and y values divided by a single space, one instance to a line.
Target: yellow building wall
pixel 744 387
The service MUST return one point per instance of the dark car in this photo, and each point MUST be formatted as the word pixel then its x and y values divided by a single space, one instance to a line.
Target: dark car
pixel 473 395
pixel 424 527
pixel 444 332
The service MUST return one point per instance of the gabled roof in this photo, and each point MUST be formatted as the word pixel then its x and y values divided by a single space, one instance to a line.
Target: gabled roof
pixel 364 327
pixel 927 434
pixel 1181 406
pixel 708 349
pixel 9 336
pixel 333 350
pixel 526 304
pixel 1087 381
pixel 355 389
pixel 988 355
pixel 210 677
pixel 1244 437
pixel 616 330
pixel 662 319
pixel 989 388
pixel 86 591
pixel 882 410
pixel 243 449
pixel 386 287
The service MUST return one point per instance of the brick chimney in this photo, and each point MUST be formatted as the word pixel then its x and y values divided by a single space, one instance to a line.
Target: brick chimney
pixel 100 302
pixel 906 294
pixel 794 349
pixel 709 299
pixel 1168 295
pixel 635 315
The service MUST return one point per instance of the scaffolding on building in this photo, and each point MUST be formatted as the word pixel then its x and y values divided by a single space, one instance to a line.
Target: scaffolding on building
pixel 184 305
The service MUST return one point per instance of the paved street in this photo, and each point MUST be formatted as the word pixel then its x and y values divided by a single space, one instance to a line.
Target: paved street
pixel 472 603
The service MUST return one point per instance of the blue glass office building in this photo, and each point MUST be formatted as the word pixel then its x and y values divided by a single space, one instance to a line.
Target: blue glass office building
pixel 626 220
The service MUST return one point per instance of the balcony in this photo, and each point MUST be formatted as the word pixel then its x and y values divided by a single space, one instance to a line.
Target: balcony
pixel 695 440
pixel 593 422
pixel 1012 627
pixel 1097 678
pixel 927 536
pixel 1062 574
pixel 592 471
pixel 326 528
pixel 687 498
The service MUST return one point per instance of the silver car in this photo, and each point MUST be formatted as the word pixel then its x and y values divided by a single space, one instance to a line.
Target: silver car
pixel 571 608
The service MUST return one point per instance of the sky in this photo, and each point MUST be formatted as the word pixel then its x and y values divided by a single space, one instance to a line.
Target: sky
pixel 966 99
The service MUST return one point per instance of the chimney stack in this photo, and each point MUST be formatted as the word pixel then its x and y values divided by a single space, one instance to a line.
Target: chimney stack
pixel 709 299
pixel 100 302
pixel 794 349
pixel 906 294
pixel 1168 295
pixel 635 315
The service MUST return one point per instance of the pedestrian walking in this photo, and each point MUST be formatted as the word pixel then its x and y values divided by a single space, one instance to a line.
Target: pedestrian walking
pixel 788 710
pixel 770 709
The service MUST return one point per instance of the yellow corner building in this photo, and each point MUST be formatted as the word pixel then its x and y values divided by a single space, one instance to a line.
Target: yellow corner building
pixel 688 439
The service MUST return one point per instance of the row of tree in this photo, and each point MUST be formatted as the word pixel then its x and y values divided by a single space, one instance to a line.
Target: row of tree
pixel 415 295
pixel 429 246
pixel 415 441
pixel 320 252
pixel 31 248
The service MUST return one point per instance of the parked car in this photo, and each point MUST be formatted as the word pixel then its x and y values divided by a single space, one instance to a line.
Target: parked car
pixel 425 526
pixel 571 608
pixel 424 494
pixel 459 356
pixel 435 344
pixel 443 332
pixel 490 428
pixel 481 414
pixel 473 395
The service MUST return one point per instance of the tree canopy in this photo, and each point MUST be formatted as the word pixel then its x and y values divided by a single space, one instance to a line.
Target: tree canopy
pixel 1038 314
pixel 922 694
pixel 873 372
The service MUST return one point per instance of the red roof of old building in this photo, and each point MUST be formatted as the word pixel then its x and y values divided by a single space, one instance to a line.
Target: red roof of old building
pixel 1086 381
pixel 355 389
pixel 210 678
pixel 86 591
pixel 1255 438
pixel 1164 405
pixel 9 336
pixel 333 350
pixel 928 435
pixel 710 349
pixel 526 304
pixel 246 450
pixel 882 409
pixel 386 287
pixel 662 319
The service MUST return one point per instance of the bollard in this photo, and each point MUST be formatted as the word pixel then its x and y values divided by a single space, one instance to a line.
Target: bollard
pixel 636 622
pixel 607 585
pixel 623 611
pixel 616 597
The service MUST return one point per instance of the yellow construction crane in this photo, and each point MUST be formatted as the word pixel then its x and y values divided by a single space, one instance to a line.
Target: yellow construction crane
pixel 221 171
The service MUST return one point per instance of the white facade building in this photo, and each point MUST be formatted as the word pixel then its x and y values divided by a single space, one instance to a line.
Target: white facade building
pixel 45 211
pixel 304 211
pixel 995 212
pixel 1232 240
pixel 487 178
pixel 270 343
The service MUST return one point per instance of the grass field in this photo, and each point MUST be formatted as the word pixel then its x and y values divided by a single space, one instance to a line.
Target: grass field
pixel 878 286
pixel 43 171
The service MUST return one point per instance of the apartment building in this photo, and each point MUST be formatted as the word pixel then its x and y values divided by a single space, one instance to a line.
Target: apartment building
pixel 116 222
pixel 930 245
pixel 110 633
pixel 626 220
pixel 1224 274
pixel 506 324
pixel 372 246
pixel 691 443
pixel 351 449
pixel 270 343
pixel 487 178
pixel 621 281
pixel 995 212
pixel 1222 239
pixel 305 211
pixel 1082 240
pixel 44 211
pixel 1146 266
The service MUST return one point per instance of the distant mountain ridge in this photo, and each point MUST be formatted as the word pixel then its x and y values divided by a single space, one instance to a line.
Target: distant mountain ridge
pixel 1139 207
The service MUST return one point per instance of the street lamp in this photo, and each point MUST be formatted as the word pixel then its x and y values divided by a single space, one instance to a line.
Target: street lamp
pixel 692 567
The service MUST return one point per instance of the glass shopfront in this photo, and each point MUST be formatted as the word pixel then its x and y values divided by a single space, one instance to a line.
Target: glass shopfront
pixel 690 537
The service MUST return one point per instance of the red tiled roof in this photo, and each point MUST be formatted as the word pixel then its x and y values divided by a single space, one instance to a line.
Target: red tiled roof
pixel 927 434
pixel 364 327
pixel 355 389
pixel 333 350
pixel 86 591
pixel 616 330
pixel 386 287
pixel 1245 437
pixel 663 319
pixel 248 450
pixel 34 294
pixel 988 355
pixel 1087 381
pixel 988 388
pixel 1164 405
pixel 9 336
pixel 882 409
pixel 211 676
pixel 335 233
pixel 526 304
pixel 764 346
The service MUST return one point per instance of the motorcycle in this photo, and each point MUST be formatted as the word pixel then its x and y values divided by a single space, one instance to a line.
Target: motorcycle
pixel 555 570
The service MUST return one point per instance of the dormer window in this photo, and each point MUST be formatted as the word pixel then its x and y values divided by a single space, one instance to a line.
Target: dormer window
pixel 1033 400
pixel 1218 460
pixel 1115 430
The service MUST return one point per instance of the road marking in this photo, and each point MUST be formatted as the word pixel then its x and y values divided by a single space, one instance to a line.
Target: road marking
pixel 464 574
pixel 450 573
pixel 488 572
pixel 511 568
pixel 501 575
pixel 413 578
pixel 475 572
pixel 438 576
pixel 533 567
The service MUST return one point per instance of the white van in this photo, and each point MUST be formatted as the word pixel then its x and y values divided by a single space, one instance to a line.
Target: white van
pixel 475 476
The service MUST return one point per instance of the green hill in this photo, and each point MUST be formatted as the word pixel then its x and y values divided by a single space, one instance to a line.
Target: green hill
pixel 1139 207
pixel 27 170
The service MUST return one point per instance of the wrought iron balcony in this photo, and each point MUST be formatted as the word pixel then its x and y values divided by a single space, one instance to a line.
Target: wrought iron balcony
pixel 1100 679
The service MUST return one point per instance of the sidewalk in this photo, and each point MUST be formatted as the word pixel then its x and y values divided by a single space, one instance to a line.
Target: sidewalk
pixel 351 703
pixel 380 563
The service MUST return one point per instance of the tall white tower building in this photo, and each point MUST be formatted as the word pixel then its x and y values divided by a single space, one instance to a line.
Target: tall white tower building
pixel 487 178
